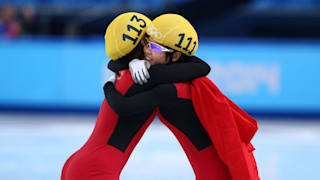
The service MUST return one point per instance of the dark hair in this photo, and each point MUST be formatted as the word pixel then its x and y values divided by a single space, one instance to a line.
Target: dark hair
pixel 137 52
pixel 182 58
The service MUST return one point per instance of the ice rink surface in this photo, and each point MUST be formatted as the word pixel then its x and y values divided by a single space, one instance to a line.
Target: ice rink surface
pixel 35 147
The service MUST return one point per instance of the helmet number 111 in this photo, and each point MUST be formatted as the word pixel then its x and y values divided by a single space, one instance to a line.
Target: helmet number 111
pixel 189 42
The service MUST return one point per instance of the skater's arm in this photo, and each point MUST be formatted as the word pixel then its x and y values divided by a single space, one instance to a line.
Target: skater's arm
pixel 128 105
pixel 118 65
pixel 188 69
pixel 144 101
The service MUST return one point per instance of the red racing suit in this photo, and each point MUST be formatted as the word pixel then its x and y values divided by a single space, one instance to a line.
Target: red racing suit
pixel 229 127
pixel 115 135
pixel 214 133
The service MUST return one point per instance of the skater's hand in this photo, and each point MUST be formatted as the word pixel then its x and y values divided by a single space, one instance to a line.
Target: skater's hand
pixel 139 71
pixel 112 78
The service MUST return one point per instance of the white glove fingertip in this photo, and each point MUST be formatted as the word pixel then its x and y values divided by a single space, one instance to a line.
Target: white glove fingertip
pixel 140 79
pixel 145 81
pixel 146 74
pixel 135 79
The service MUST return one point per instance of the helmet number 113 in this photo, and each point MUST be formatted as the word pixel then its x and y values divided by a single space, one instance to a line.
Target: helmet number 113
pixel 129 28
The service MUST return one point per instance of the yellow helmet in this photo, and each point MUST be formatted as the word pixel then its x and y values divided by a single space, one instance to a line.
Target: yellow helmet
pixel 174 31
pixel 124 33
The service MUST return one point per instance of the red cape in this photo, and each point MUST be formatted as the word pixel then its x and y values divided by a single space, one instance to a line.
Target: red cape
pixel 229 127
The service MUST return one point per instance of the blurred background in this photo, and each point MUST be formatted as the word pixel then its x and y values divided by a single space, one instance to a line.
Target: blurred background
pixel 264 54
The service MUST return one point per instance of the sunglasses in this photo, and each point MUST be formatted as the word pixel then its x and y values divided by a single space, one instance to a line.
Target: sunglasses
pixel 157 47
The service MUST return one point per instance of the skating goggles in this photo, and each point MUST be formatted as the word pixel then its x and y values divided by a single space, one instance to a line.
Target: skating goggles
pixel 157 47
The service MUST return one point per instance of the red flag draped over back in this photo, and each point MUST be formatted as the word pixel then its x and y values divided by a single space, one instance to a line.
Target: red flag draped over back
pixel 229 127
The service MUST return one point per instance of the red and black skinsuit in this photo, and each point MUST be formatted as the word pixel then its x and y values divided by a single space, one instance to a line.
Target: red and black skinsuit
pixel 116 134
pixel 176 111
